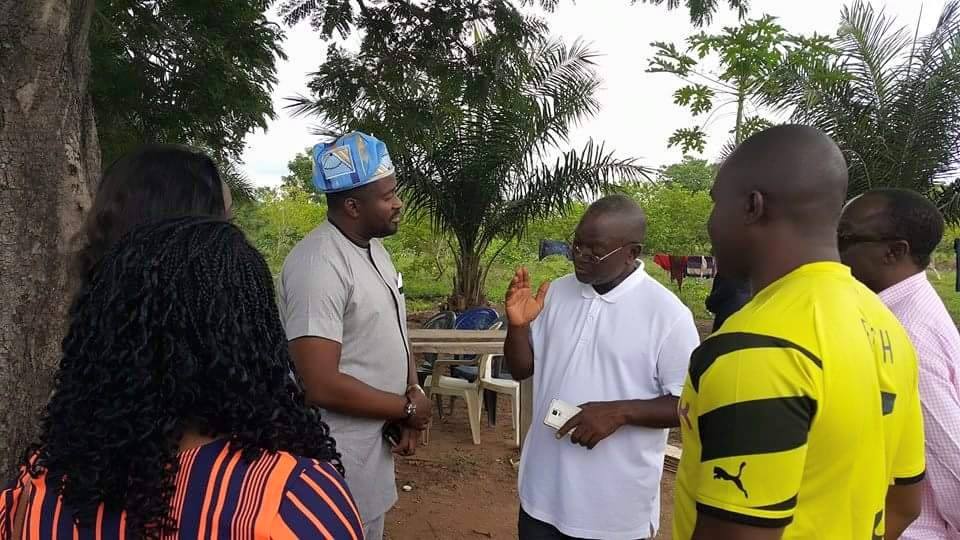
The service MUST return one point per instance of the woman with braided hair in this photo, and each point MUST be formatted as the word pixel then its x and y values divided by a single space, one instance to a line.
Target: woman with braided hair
pixel 174 413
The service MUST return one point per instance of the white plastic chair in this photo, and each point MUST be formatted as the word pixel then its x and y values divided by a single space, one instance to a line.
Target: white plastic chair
pixel 442 385
pixel 508 387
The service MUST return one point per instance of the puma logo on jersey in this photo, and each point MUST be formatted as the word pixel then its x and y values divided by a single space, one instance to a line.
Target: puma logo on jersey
pixel 720 474
pixel 684 412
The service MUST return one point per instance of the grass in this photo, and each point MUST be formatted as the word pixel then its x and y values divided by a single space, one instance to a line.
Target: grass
pixel 425 293
pixel 945 287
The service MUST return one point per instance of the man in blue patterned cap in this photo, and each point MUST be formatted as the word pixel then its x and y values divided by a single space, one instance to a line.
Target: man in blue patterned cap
pixel 343 309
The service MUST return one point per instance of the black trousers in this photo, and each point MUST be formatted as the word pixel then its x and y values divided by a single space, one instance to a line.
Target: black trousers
pixel 529 528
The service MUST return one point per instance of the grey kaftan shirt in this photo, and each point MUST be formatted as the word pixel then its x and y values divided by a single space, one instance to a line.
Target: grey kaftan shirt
pixel 334 289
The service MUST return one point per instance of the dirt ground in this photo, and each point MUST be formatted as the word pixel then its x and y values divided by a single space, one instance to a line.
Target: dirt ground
pixel 462 491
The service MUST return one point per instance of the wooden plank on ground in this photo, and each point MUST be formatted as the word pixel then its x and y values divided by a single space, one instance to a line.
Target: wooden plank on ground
pixel 671 458
pixel 673 451
pixel 457 335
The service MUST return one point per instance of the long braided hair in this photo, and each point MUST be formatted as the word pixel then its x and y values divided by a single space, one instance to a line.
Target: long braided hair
pixel 176 329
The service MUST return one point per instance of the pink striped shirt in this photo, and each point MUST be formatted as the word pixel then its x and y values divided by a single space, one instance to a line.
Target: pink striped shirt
pixel 934 334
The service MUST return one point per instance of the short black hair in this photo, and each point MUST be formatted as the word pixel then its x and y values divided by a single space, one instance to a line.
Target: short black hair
pixel 337 199
pixel 152 183
pixel 626 209
pixel 617 203
pixel 912 217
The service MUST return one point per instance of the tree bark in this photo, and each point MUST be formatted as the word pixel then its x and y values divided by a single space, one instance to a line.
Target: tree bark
pixel 738 127
pixel 49 163
pixel 468 284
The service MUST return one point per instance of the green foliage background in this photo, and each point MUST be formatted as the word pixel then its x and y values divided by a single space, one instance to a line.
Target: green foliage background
pixel 677 216
pixel 760 62
pixel 677 206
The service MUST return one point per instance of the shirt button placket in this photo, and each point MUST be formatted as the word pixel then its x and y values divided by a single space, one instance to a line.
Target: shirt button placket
pixel 586 331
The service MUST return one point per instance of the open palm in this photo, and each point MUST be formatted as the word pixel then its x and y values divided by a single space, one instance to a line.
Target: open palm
pixel 521 306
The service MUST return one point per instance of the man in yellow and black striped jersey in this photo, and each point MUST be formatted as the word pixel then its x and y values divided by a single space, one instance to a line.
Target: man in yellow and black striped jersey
pixel 801 410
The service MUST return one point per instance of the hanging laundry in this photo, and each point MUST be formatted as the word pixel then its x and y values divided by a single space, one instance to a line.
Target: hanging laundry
pixel 681 266
pixel 701 266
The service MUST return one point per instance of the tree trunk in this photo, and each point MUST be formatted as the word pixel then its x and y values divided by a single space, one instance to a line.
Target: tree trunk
pixel 49 161
pixel 738 126
pixel 468 284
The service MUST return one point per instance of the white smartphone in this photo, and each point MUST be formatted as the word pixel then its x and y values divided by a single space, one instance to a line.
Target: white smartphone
pixel 560 413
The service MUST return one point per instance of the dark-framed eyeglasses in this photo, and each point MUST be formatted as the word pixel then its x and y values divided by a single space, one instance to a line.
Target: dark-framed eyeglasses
pixel 847 241
pixel 590 258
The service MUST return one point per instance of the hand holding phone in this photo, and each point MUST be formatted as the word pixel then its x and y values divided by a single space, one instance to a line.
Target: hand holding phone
pixel 392 432
pixel 559 413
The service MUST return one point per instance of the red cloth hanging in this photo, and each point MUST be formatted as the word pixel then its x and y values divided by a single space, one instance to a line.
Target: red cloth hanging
pixel 662 260
pixel 678 269
pixel 675 265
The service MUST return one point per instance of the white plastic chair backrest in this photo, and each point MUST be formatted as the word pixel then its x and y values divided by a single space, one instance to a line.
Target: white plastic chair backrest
pixel 486 366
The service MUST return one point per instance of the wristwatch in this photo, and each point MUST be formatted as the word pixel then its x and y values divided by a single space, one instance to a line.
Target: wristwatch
pixel 411 408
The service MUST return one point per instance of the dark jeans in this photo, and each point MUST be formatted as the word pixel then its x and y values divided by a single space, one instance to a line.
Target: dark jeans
pixel 529 528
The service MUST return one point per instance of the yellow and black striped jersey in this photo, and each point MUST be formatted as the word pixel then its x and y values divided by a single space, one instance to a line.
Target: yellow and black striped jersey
pixel 800 411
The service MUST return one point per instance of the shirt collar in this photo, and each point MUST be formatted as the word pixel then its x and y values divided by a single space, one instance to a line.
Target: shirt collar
pixel 637 277
pixel 347 238
pixel 820 267
pixel 904 289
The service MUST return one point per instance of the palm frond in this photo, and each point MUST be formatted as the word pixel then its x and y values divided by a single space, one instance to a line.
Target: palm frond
pixel 474 126
pixel 931 101
pixel 241 186
pixel 548 189
pixel 301 105
pixel 870 44
pixel 727 149
pixel 891 103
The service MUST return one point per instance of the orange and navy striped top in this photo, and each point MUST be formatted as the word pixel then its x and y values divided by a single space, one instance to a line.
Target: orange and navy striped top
pixel 219 496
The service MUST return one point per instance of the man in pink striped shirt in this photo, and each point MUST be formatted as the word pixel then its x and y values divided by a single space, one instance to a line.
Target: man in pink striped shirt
pixel 886 236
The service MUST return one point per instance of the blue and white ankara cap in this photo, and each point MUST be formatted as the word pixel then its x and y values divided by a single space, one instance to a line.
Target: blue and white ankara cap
pixel 355 159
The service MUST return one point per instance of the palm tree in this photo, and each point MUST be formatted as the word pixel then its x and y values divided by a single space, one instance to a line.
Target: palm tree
pixel 891 100
pixel 481 141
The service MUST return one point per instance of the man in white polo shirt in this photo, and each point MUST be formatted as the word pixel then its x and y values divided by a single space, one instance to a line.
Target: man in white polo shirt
pixel 616 343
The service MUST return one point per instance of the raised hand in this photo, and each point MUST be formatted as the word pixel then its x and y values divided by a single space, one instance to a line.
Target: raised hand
pixel 521 306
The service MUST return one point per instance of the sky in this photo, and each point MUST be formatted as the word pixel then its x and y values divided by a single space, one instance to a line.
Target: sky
pixel 637 113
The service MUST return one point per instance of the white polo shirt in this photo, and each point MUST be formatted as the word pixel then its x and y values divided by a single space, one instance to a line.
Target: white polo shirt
pixel 632 343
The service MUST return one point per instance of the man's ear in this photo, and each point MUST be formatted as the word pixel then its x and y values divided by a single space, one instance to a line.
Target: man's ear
pixel 897 251
pixel 636 250
pixel 755 208
pixel 352 207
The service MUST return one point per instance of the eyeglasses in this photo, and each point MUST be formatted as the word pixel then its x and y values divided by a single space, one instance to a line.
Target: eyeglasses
pixel 847 241
pixel 590 258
